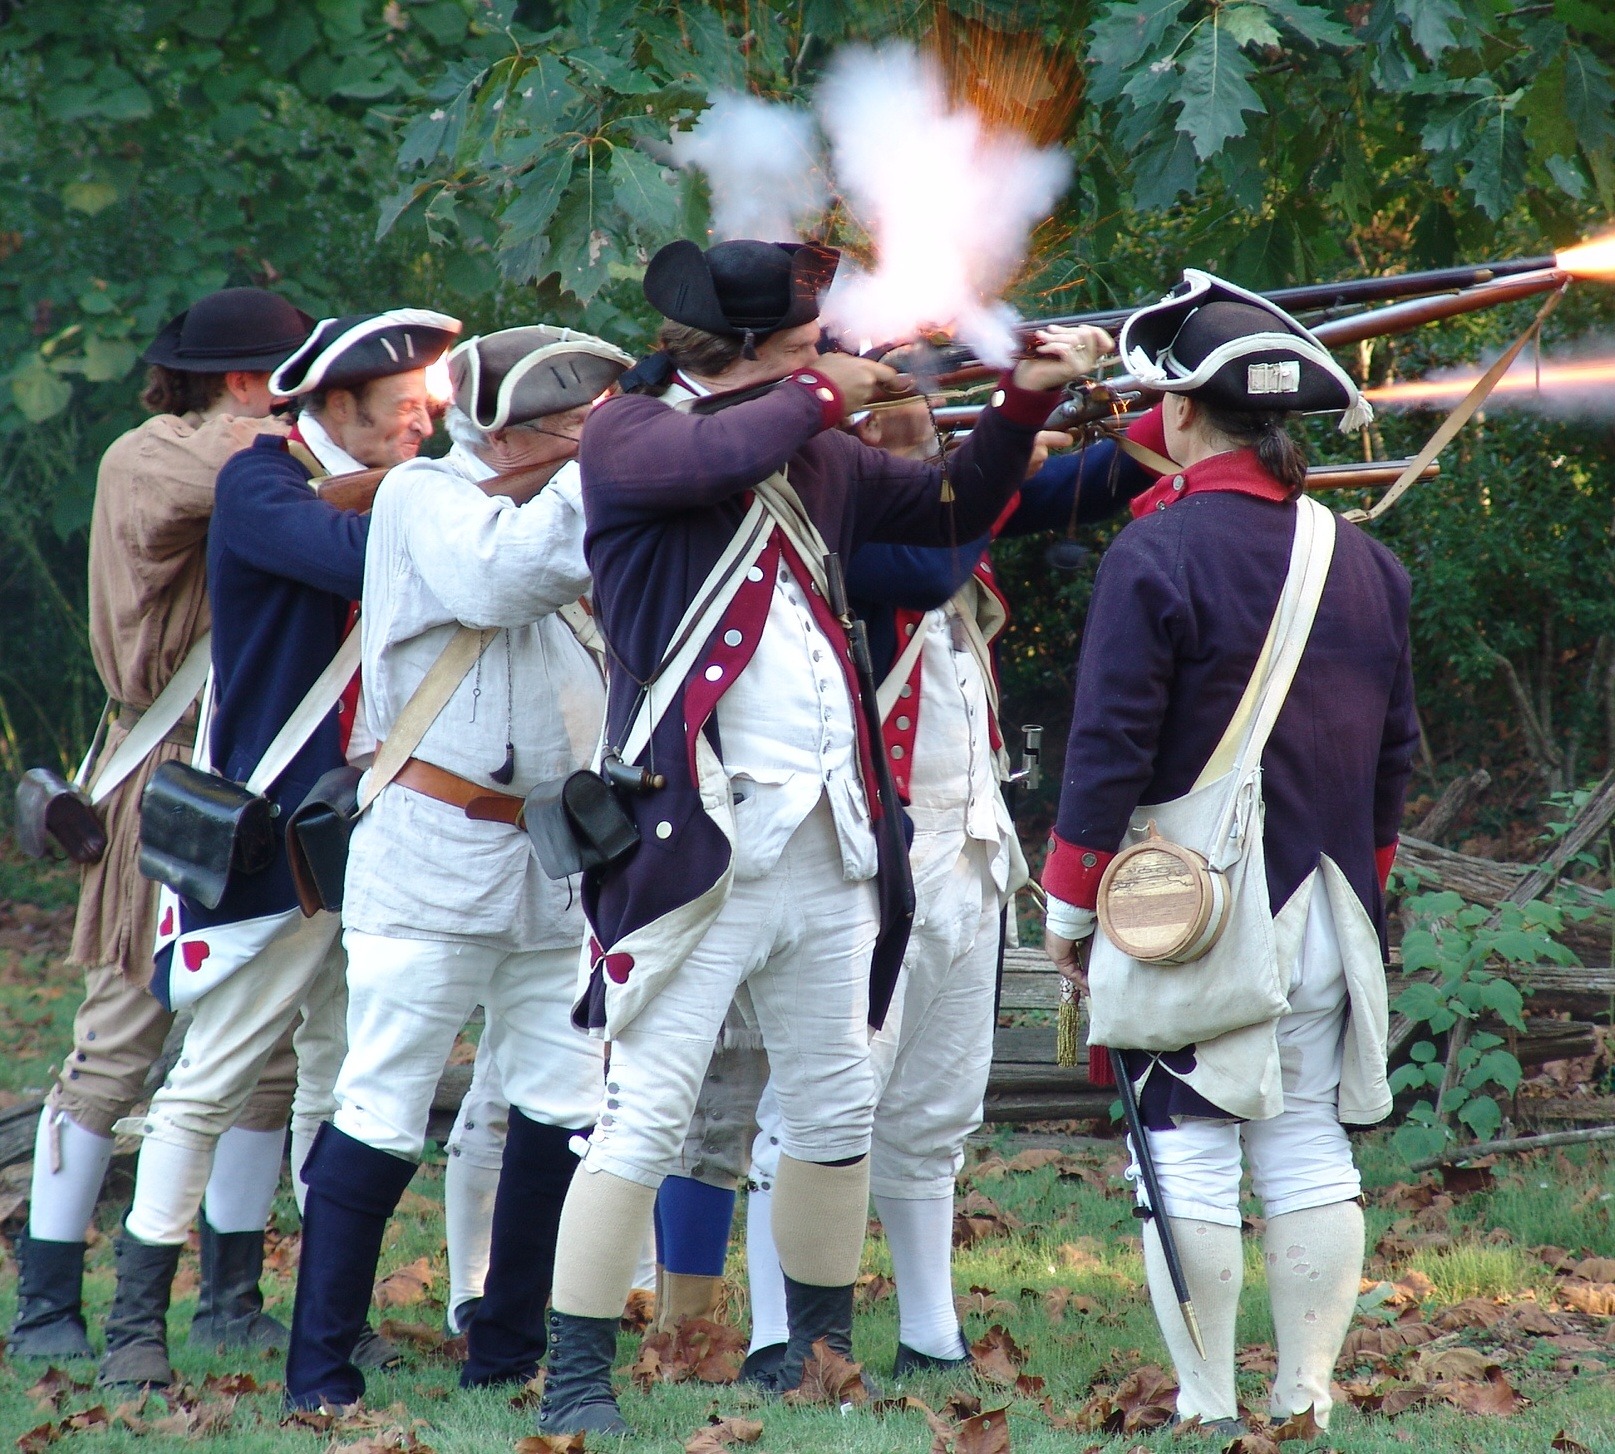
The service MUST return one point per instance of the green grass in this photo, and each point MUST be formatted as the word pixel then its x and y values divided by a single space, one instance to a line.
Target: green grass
pixel 1072 1235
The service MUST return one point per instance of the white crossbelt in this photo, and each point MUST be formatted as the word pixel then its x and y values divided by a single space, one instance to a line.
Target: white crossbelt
pixel 155 723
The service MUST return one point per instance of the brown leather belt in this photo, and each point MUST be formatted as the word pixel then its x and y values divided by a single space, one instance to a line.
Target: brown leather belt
pixel 472 799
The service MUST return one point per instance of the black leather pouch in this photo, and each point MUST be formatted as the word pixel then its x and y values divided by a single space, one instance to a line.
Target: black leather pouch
pixel 317 839
pixel 198 829
pixel 53 813
pixel 577 823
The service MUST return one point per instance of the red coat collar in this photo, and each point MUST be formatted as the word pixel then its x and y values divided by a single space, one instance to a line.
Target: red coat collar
pixel 1237 471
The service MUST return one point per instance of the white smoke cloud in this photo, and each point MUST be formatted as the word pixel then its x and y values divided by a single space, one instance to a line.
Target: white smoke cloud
pixel 761 161
pixel 949 205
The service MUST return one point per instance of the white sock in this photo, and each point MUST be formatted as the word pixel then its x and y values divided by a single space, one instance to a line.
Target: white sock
pixel 1314 1264
pixel 766 1281
pixel 1213 1265
pixel 645 1273
pixel 468 1197
pixel 920 1235
pixel 246 1171
pixel 302 1144
pixel 70 1164
pixel 169 1182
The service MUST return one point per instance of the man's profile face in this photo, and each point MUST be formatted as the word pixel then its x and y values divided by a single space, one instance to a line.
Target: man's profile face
pixel 385 423
pixel 790 349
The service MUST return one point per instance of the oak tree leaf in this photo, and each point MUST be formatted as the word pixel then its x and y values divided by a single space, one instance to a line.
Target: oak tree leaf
pixel 828 1378
pixel 720 1434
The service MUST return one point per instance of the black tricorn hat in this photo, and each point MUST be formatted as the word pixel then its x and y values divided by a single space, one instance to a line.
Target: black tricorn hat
pixel 1234 348
pixel 238 328
pixel 742 287
pixel 521 374
pixel 342 353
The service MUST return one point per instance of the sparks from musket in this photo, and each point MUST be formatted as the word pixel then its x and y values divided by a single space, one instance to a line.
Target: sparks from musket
pixel 1592 259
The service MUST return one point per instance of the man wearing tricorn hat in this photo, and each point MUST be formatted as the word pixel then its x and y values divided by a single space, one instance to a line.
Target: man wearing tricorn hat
pixel 445 905
pixel 1229 578
pixel 208 391
pixel 711 511
pixel 283 570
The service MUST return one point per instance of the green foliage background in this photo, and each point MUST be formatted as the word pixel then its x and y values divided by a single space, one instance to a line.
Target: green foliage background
pixel 497 158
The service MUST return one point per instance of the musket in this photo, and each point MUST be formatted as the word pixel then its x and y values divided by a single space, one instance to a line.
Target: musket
pixel 357 489
pixel 1155 1210
pixel 1399 317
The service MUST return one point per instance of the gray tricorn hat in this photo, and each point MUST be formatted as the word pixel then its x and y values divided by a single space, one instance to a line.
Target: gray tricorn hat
pixel 521 374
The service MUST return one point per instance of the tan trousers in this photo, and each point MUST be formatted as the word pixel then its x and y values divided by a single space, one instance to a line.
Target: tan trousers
pixel 118 1035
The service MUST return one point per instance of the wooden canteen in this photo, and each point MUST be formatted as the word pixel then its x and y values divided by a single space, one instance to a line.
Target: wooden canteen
pixel 1162 903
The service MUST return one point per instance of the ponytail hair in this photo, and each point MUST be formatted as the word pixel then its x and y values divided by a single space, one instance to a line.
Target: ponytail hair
pixel 1263 430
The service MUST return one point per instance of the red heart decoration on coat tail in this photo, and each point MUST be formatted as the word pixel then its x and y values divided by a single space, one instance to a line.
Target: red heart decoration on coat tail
pixel 168 921
pixel 195 951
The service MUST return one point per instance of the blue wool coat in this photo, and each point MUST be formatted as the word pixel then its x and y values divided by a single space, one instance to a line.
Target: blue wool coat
pixel 663 494
pixel 283 569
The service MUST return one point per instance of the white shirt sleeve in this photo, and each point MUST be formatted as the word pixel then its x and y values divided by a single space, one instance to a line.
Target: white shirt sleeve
pixel 1067 920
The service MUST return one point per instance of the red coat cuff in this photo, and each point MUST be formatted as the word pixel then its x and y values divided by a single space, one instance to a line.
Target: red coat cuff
pixel 1072 872
pixel 1030 408
pixel 832 407
pixel 1383 859
pixel 1150 431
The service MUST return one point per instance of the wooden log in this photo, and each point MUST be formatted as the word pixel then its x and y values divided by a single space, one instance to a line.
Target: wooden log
pixel 1458 1154
pixel 1459 793
pixel 1545 1039
pixel 19 1126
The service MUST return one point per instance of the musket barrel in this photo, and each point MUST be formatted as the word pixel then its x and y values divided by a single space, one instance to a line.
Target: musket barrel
pixel 1402 317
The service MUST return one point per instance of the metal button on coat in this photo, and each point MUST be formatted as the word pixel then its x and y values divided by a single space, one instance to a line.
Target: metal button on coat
pixel 664 829
pixel 714 673
pixel 732 638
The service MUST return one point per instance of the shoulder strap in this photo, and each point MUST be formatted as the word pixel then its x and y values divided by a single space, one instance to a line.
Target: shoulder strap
pixel 890 690
pixel 579 619
pixel 431 695
pixel 1252 723
pixel 699 621
pixel 306 457
pixel 307 715
pixel 157 720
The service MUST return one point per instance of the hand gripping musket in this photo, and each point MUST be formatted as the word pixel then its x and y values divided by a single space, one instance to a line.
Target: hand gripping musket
pixel 1156 1209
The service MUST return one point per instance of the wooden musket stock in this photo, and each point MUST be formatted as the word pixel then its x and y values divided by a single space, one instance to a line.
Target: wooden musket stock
pixel 357 491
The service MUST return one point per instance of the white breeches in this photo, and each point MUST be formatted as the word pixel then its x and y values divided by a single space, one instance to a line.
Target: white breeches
pixel 1300 1158
pixel 408 1000
pixel 484 1120
pixel 797 942
pixel 933 1056
pixel 235 1028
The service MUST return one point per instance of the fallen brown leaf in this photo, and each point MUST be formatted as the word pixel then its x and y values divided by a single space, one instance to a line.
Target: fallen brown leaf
pixel 1034 1159
pixel 978 1217
pixel 38 1438
pixel 54 1387
pixel 1385 1339
pixel 1303 1425
pixel 721 1433
pixel 531 1392
pixel 638 1311
pixel 550 1444
pixel 1597 1298
pixel 231 1385
pixel 1255 1442
pixel 1563 1444
pixel 1450 1363
pixel 696 1348
pixel 1257 1358
pixel 1595 1269
pixel 1402 1397
pixel 1529 1318
pixel 404 1286
pixel 983 1433
pixel 1145 1399
pixel 91 1418
pixel 873 1287
pixel 1473 1312
pixel 828 1378
pixel 1495 1396
pixel 1464 1180
pixel 996 1356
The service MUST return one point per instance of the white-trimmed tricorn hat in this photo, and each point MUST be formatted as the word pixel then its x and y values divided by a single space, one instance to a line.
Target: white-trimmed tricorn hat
pixel 342 353
pixel 1239 351
pixel 521 374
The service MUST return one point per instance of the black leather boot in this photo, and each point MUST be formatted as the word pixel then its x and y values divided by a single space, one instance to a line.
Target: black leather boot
pixel 352 1190
pixel 761 1367
pixel 50 1313
pixel 911 1360
pixel 137 1326
pixel 812 1313
pixel 230 1306
pixel 505 1340
pixel 577 1396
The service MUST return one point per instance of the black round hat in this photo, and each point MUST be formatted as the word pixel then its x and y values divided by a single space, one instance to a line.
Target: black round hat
pixel 1214 340
pixel 238 328
pixel 740 287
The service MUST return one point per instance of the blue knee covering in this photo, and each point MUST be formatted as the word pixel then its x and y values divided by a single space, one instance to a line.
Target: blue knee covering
pixel 692 1226
pixel 352 1190
pixel 506 1336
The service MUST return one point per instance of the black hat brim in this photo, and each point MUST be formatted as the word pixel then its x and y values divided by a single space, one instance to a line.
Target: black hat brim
pixel 679 285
